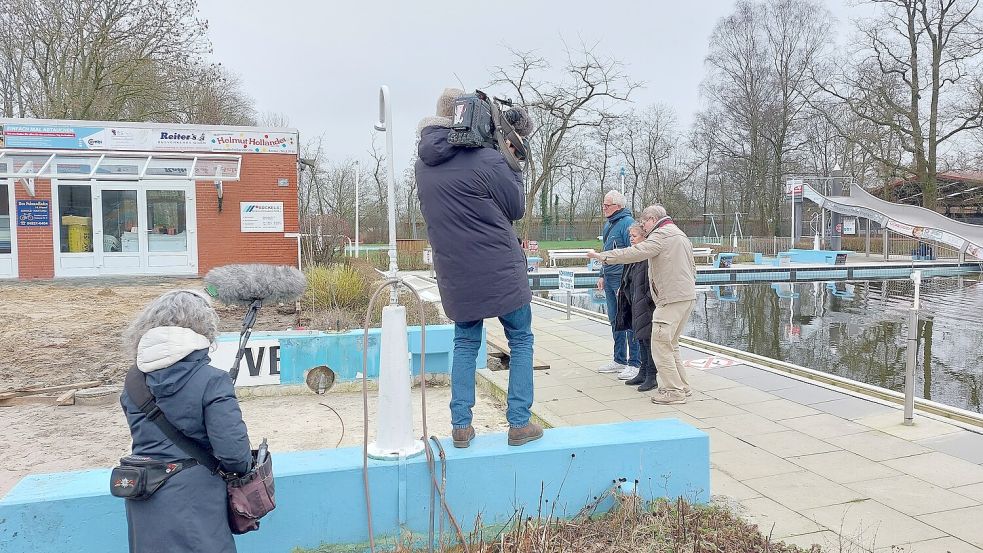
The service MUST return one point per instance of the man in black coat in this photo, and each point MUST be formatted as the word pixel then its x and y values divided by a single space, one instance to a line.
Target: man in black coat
pixel 469 198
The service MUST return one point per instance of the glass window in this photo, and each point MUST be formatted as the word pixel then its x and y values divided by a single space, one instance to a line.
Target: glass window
pixel 5 246
pixel 169 167
pixel 75 215
pixel 166 221
pixel 119 221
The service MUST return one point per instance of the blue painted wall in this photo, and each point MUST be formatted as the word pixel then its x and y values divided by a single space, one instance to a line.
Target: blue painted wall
pixel 320 498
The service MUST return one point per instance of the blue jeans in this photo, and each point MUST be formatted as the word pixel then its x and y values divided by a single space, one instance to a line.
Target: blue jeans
pixel 625 344
pixel 467 340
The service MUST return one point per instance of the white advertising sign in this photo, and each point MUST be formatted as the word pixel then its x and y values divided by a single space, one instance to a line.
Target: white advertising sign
pixel 566 280
pixel 850 225
pixel 252 142
pixel 901 228
pixel 260 364
pixel 261 216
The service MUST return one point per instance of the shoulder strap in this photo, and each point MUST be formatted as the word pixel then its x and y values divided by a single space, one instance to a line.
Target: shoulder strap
pixel 136 387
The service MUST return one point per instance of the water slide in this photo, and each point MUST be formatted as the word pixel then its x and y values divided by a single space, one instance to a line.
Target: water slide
pixel 908 220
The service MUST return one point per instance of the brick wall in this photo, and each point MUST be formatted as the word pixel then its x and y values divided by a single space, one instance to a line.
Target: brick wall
pixel 219 240
pixel 35 245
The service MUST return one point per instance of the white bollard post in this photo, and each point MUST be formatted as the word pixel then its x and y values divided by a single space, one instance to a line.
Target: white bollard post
pixel 394 428
pixel 912 353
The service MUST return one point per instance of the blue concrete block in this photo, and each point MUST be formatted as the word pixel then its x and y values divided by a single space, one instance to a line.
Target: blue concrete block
pixel 320 498
pixel 342 353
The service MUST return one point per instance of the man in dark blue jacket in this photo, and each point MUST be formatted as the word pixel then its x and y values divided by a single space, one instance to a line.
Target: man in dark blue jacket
pixel 469 198
pixel 615 236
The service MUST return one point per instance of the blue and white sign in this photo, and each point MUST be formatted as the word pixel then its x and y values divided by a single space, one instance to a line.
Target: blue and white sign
pixel 261 216
pixel 51 136
pixel 33 213
pixel 566 279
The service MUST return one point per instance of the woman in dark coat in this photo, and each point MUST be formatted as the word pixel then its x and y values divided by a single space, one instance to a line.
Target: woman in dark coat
pixel 169 341
pixel 635 307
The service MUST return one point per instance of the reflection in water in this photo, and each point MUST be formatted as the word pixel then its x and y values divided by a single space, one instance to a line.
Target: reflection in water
pixel 852 329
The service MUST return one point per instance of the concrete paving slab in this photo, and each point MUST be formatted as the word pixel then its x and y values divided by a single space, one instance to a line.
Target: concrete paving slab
pixel 779 409
pixel 640 405
pixel 873 525
pixel 595 417
pixel 941 545
pixel 755 378
pixel 965 445
pixel 877 446
pixel 725 485
pixel 807 394
pixel 961 523
pixel 844 467
pixel 939 469
pixel 972 491
pixel 803 490
pixel 911 495
pixel 551 393
pixel 564 407
pixel 893 423
pixel 613 393
pixel 852 408
pixel 775 519
pixel 745 425
pixel 722 441
pixel 826 540
pixel 824 426
pixel 741 396
pixel 749 462
pixel 696 423
pixel 709 408
pixel 707 382
pixel 790 443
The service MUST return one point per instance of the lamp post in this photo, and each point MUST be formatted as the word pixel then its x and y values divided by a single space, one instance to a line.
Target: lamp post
pixel 357 174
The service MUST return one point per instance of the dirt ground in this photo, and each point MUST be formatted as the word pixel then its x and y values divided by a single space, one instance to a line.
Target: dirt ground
pixel 62 331
pixel 40 439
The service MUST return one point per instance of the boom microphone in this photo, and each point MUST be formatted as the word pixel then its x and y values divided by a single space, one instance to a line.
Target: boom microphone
pixel 245 284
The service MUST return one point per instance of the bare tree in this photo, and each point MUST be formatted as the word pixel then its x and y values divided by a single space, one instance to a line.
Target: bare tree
pixel 591 86
pixel 918 76
pixel 134 60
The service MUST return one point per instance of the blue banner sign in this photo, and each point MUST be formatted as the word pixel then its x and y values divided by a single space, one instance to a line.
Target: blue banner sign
pixel 33 213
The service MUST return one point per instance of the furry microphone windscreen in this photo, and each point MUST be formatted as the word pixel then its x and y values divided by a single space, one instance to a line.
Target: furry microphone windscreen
pixel 520 121
pixel 243 284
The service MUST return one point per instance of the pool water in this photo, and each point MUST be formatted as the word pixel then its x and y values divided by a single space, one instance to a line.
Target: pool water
pixel 856 330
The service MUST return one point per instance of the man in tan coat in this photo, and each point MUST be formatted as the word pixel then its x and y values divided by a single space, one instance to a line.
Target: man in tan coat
pixel 672 282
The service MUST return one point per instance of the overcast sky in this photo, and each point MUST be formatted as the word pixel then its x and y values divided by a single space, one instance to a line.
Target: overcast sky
pixel 321 63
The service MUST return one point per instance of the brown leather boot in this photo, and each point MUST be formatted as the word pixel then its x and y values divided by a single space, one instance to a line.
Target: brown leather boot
pixel 525 434
pixel 462 436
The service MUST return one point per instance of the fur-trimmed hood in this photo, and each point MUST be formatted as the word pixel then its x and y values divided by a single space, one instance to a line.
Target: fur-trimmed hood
pixel 164 346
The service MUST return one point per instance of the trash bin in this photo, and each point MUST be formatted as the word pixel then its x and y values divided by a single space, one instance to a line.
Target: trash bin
pixel 79 233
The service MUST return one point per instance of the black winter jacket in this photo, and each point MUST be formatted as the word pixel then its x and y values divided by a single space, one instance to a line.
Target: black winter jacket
pixel 635 305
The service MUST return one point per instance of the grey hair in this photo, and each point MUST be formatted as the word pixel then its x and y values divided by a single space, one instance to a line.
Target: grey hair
pixel 617 198
pixel 637 227
pixel 185 308
pixel 653 212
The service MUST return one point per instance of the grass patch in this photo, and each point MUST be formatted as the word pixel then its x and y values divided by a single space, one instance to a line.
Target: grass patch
pixel 662 526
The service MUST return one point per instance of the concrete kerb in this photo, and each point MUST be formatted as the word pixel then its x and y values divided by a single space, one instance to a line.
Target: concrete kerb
pixel 498 387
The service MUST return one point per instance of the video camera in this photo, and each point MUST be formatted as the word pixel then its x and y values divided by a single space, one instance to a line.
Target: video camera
pixel 480 122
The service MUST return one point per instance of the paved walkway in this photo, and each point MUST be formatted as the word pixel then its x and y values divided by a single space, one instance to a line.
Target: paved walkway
pixel 808 464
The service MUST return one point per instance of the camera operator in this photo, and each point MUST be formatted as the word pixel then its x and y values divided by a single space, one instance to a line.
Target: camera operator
pixel 469 197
